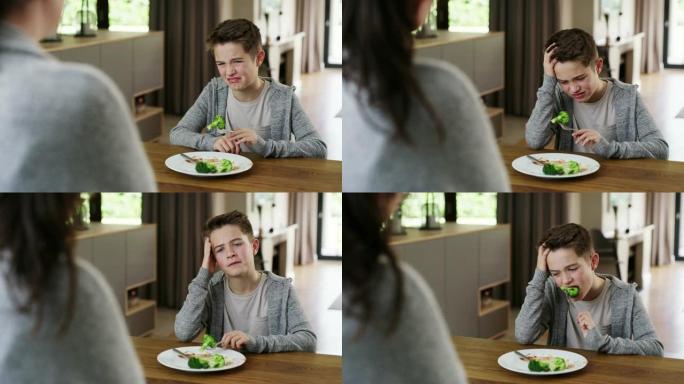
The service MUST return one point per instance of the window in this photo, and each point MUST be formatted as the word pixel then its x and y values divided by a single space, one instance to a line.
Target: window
pixel 121 208
pixel 468 15
pixel 471 208
pixel 129 15
pixel 679 229
pixel 333 33
pixel 674 34
pixel 329 225
pixel 124 15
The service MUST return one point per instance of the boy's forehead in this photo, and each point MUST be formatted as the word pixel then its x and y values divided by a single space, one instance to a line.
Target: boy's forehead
pixel 568 70
pixel 229 50
pixel 226 233
pixel 561 258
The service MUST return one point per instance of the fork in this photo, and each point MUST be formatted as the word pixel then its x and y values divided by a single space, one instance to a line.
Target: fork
pixel 566 128
pixel 537 161
pixel 182 353
pixel 190 159
pixel 522 355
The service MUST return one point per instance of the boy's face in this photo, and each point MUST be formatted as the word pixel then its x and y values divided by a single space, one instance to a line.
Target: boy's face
pixel 579 81
pixel 233 250
pixel 238 69
pixel 569 269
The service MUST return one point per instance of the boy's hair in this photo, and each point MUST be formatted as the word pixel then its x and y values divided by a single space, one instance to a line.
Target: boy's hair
pixel 573 45
pixel 570 236
pixel 231 218
pixel 240 31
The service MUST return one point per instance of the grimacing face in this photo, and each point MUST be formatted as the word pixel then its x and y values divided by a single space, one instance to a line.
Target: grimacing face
pixel 233 250
pixel 568 269
pixel 579 81
pixel 238 69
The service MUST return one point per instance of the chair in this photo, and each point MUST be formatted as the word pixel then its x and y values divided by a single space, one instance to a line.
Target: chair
pixel 606 248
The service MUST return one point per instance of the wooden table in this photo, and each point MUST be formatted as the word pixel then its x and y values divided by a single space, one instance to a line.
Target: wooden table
pixel 267 175
pixel 644 175
pixel 479 357
pixel 286 367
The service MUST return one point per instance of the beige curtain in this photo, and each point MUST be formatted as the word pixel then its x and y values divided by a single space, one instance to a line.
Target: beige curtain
pixel 660 211
pixel 180 218
pixel 310 19
pixel 188 66
pixel 650 17
pixel 303 211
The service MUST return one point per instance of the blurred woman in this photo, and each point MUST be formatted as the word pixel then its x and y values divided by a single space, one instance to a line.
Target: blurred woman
pixel 60 320
pixel 65 127
pixel 409 125
pixel 393 330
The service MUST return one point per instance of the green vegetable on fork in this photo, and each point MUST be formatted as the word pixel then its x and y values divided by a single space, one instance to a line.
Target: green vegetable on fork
pixel 562 118
pixel 218 123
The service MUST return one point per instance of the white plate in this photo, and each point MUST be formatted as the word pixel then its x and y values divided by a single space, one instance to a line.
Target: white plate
pixel 172 359
pixel 525 165
pixel 179 164
pixel 515 363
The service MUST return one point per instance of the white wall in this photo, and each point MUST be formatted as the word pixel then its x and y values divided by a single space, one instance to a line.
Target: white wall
pixel 587 15
pixel 245 202
pixel 634 217
pixel 585 209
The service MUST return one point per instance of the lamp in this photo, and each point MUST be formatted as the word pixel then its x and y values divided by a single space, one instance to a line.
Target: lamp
pixel 430 214
pixel 88 20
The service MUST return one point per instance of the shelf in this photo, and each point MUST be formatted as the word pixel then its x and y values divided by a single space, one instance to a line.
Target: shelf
pixel 148 112
pixel 492 111
pixel 496 305
pixel 141 306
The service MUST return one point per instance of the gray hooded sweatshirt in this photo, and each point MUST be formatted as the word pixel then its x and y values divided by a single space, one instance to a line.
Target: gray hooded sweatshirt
pixel 637 134
pixel 65 127
pixel 287 119
pixel 203 310
pixel 546 308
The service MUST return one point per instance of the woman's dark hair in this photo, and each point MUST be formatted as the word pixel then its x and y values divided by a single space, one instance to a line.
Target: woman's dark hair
pixel 378 58
pixel 7 6
pixel 364 242
pixel 37 235
pixel 573 45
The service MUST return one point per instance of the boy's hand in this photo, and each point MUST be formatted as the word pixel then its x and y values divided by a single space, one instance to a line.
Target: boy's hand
pixel 226 144
pixel 234 340
pixel 209 261
pixel 586 322
pixel 549 62
pixel 542 254
pixel 586 137
pixel 243 136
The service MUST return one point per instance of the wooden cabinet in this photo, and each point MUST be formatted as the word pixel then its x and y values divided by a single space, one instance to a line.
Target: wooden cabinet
pixel 127 257
pixel 133 60
pixel 460 263
pixel 479 55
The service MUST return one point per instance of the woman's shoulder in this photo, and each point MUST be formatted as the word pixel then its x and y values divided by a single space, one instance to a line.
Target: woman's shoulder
pixel 437 76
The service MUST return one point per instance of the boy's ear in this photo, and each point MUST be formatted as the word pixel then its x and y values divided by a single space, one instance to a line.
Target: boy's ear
pixel 255 245
pixel 261 55
pixel 594 259
pixel 598 66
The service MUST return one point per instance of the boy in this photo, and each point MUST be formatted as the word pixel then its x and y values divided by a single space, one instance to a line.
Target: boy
pixel 605 314
pixel 259 115
pixel 608 117
pixel 236 304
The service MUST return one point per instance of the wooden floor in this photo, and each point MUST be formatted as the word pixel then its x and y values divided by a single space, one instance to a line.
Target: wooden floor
pixel 321 97
pixel 663 297
pixel 317 285
pixel 661 92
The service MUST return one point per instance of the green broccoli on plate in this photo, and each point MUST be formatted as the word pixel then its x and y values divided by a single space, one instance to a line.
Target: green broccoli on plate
pixel 557 364
pixel 557 168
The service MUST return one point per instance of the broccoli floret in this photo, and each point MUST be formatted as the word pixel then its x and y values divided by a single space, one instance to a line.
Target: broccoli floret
pixel 217 361
pixel 204 167
pixel 217 123
pixel 225 166
pixel 198 363
pixel 538 366
pixel 562 118
pixel 553 169
pixel 558 364
pixel 570 291
pixel 208 341
pixel 572 168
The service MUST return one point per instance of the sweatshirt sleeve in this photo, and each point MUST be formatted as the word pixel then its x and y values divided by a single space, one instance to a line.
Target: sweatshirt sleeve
pixel 299 335
pixel 535 314
pixel 307 141
pixel 650 143
pixel 644 340
pixel 539 130
pixel 194 315
pixel 187 132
